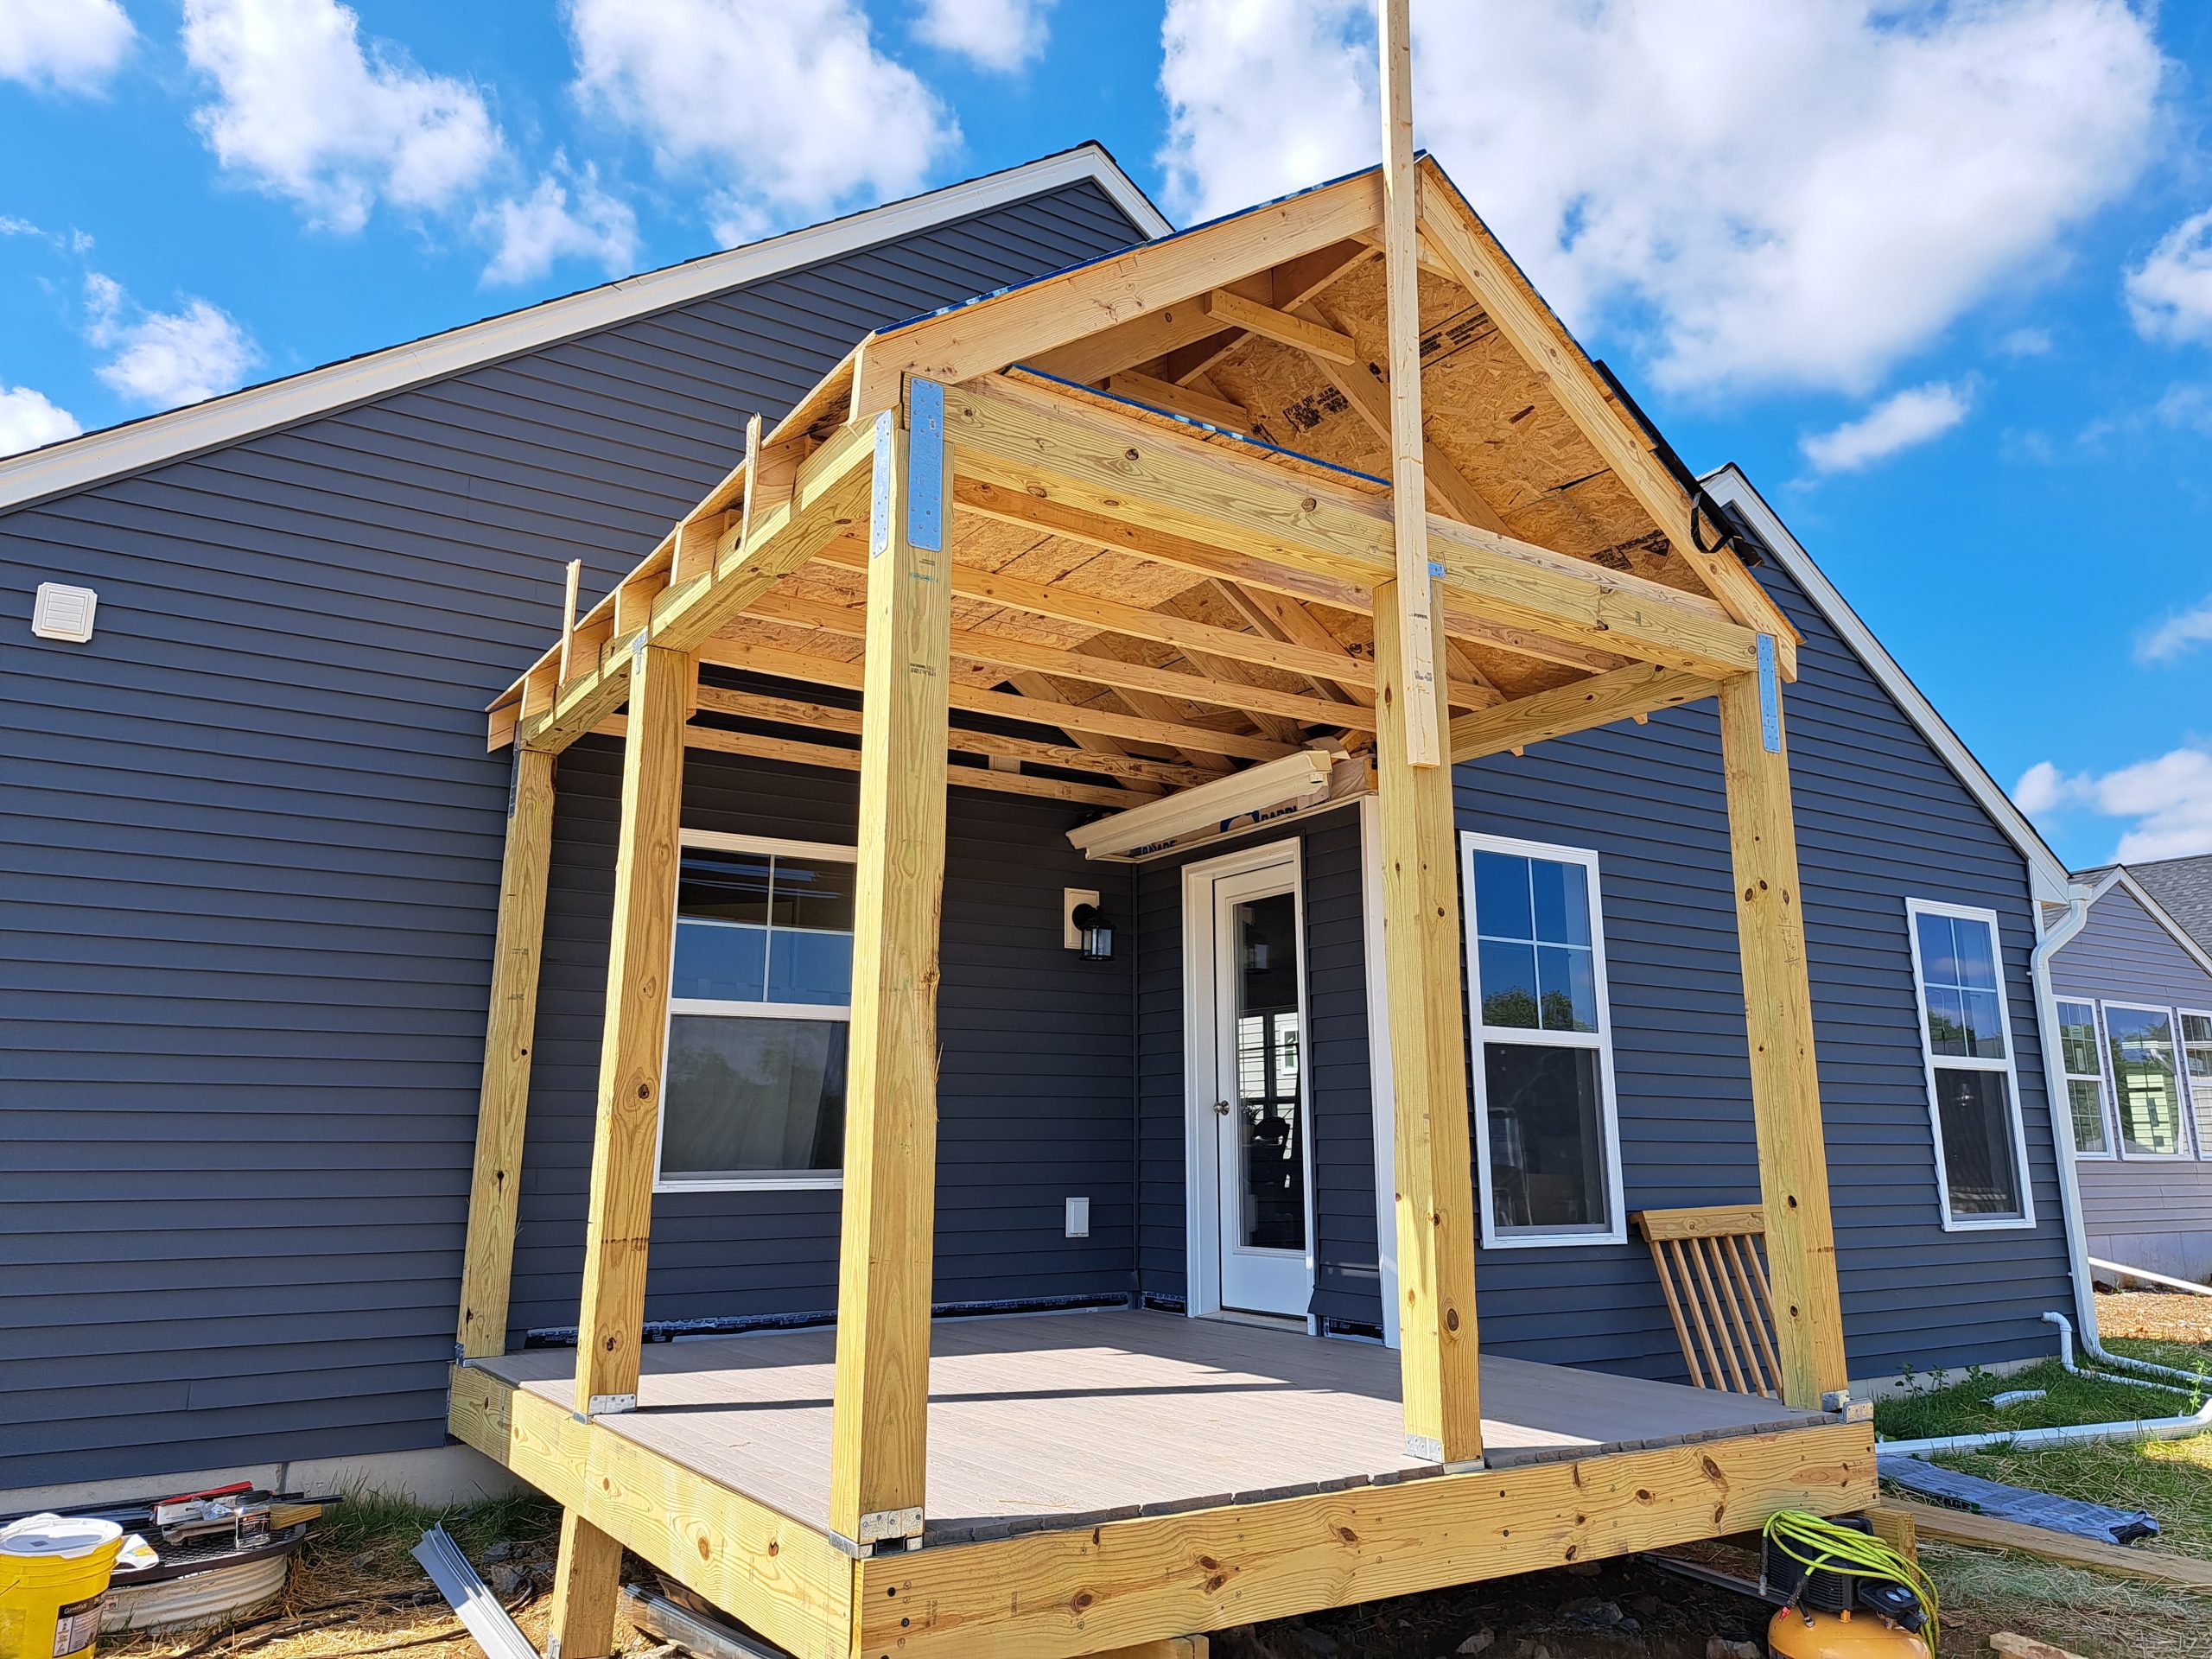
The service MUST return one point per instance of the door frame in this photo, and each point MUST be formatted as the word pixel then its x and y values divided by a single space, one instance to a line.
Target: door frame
pixel 1201 1031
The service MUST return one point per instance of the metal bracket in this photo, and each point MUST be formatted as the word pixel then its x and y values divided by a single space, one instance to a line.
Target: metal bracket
pixel 606 1405
pixel 925 464
pixel 1427 1447
pixel 1769 696
pixel 1836 1400
pixel 885 1524
pixel 879 512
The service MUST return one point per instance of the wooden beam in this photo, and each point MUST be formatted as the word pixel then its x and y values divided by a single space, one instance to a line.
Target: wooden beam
pixel 1106 722
pixel 1034 439
pixel 879 1417
pixel 488 1257
pixel 1580 706
pixel 1442 1385
pixel 1990 1532
pixel 1485 269
pixel 1785 1074
pixel 1033 319
pixel 786 1580
pixel 1015 506
pixel 1091 1587
pixel 1230 310
pixel 1114 763
pixel 1179 400
pixel 610 1324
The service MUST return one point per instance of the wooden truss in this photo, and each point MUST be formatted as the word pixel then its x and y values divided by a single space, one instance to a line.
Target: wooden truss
pixel 1159 515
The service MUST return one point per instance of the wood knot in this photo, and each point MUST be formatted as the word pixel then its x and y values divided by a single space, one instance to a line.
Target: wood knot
pixel 1081 1601
pixel 1348 1535
pixel 1037 490
pixel 1642 1495
pixel 644 1091
pixel 775 1548
pixel 1712 1472
pixel 1572 1550
pixel 1450 1319
pixel 1209 1563
pixel 1131 455
pixel 1309 505
pixel 706 1549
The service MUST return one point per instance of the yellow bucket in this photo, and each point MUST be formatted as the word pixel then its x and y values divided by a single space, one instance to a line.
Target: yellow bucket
pixel 54 1574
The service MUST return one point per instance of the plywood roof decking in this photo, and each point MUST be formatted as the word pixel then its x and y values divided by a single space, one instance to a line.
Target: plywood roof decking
pixel 1059 1420
pixel 1281 346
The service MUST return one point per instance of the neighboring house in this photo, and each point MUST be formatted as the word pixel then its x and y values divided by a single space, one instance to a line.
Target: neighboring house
pixel 254 843
pixel 2133 990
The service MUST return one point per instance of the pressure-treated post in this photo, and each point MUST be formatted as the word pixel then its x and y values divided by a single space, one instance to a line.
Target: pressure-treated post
pixel 880 1422
pixel 1437 1352
pixel 610 1325
pixel 487 1258
pixel 1779 1011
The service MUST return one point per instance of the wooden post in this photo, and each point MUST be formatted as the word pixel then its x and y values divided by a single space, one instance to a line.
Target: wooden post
pixel 1408 485
pixel 488 1259
pixel 610 1325
pixel 880 1422
pixel 1778 1013
pixel 1437 1353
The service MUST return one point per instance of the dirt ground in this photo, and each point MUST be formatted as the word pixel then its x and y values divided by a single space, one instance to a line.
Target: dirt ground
pixel 356 1591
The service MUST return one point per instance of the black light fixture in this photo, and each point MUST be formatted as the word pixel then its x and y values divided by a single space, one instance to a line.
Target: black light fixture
pixel 1096 932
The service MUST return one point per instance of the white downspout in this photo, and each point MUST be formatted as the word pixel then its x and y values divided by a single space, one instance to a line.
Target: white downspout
pixel 2062 1114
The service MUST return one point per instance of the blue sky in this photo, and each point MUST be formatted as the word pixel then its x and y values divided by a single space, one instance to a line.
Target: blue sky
pixel 1938 275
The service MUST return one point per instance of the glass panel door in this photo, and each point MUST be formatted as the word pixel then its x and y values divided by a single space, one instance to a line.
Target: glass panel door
pixel 1270 1153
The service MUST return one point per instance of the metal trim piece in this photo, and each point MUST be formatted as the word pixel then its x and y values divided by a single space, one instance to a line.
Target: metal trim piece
pixel 471 1598
pixel 879 509
pixel 925 464
pixel 1769 697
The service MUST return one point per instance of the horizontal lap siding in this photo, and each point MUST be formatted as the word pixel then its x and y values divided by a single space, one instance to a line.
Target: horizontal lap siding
pixel 2147 1212
pixel 1880 817
pixel 1033 1097
pixel 248 856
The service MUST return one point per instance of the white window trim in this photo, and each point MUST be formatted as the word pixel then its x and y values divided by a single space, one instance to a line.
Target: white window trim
pixel 2105 1101
pixel 2189 1091
pixel 2188 1148
pixel 718 841
pixel 1914 910
pixel 1609 1102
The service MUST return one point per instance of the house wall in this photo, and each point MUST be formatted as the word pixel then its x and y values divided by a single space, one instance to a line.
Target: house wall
pixel 2147 1212
pixel 1880 818
pixel 249 846
pixel 1034 1086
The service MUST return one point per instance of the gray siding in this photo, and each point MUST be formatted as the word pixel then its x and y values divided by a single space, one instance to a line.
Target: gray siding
pixel 1035 1084
pixel 1880 818
pixel 249 853
pixel 2147 1212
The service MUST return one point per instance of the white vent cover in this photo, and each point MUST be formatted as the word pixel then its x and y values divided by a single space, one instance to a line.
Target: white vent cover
pixel 64 613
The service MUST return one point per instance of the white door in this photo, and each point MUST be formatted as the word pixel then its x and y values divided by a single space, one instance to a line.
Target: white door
pixel 1263 1212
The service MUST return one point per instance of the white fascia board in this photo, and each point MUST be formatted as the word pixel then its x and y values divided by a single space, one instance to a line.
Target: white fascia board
pixel 75 463
pixel 2048 876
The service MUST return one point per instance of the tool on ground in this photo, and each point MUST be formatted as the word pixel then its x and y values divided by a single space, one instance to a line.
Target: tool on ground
pixel 1977 1496
pixel 1847 1594
pixel 54 1575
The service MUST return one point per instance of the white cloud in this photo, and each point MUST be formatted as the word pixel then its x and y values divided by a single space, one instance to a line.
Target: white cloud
pixel 1897 423
pixel 2026 342
pixel 73 45
pixel 562 219
pixel 2177 635
pixel 308 112
pixel 1798 195
pixel 29 419
pixel 2169 798
pixel 1001 35
pixel 787 105
pixel 2170 294
pixel 163 359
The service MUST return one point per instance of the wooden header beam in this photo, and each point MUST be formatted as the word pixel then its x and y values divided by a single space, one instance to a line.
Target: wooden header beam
pixel 1579 706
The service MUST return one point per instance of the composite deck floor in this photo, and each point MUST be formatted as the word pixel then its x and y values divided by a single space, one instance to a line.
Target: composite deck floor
pixel 1064 1420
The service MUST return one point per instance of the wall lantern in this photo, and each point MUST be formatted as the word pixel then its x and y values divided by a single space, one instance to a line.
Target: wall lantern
pixel 1085 929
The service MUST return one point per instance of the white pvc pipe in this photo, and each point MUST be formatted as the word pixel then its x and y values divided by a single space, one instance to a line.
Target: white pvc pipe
pixel 2061 1116
pixel 2122 1270
pixel 2142 1428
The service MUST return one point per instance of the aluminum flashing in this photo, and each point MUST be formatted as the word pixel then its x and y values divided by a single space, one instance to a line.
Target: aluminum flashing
pixel 76 463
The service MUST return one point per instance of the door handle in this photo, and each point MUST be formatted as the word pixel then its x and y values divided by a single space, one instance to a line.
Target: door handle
pixel 1221 1109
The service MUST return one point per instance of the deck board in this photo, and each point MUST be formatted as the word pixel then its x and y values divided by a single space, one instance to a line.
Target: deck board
pixel 1066 1419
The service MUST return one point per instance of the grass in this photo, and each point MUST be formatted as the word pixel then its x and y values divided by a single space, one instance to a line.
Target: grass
pixel 1937 1406
pixel 2181 1356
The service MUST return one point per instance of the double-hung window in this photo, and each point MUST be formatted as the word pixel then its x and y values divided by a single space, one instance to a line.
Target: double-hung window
pixel 2146 1080
pixel 760 995
pixel 1966 1043
pixel 2196 1062
pixel 2079 1050
pixel 1547 1143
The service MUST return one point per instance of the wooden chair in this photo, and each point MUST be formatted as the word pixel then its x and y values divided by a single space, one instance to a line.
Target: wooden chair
pixel 1712 1269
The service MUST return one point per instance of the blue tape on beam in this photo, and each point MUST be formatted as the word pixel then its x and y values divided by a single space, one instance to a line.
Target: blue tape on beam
pixel 879 513
pixel 1769 697
pixel 925 464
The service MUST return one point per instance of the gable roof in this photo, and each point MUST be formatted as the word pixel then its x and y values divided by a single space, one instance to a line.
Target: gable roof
pixel 2182 887
pixel 2193 887
pixel 2049 876
pixel 75 463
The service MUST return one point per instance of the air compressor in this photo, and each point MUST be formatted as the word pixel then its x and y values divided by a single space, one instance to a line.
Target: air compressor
pixel 1845 1593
